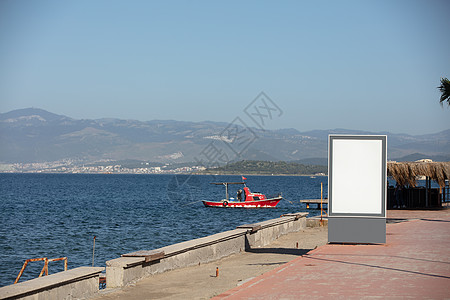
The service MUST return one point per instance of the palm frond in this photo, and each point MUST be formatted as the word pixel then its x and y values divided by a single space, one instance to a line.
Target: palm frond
pixel 444 88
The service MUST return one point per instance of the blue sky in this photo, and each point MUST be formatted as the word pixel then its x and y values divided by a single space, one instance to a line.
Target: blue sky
pixel 368 65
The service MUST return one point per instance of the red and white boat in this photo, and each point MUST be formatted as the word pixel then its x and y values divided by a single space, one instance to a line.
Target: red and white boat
pixel 245 199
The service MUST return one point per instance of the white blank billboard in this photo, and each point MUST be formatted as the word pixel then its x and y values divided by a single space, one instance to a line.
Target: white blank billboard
pixel 357 175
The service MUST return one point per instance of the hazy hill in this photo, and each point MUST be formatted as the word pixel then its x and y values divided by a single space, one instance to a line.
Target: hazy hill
pixel 35 135
pixel 268 167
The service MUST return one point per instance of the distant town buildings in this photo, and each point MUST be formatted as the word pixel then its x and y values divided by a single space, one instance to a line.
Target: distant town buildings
pixel 73 168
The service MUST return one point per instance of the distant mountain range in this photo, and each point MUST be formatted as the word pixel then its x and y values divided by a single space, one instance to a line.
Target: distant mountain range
pixel 35 135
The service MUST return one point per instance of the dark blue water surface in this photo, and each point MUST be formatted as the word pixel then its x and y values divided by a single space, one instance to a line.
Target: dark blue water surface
pixel 57 215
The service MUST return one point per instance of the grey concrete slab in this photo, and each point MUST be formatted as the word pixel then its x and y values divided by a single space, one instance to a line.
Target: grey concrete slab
pixel 45 283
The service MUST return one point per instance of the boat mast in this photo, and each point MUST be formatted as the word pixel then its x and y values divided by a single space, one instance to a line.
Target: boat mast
pixel 226 190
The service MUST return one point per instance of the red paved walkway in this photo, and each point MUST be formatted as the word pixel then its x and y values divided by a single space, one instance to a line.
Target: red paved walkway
pixel 414 263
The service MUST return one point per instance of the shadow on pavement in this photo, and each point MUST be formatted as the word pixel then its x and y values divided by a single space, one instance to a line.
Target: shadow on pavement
pixel 290 251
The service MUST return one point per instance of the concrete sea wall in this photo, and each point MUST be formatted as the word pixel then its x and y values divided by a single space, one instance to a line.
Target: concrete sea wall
pixel 134 266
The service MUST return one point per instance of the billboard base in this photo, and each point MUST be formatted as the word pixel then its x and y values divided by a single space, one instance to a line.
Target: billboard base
pixel 362 230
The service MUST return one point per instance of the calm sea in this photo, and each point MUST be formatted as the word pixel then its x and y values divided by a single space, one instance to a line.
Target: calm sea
pixel 58 215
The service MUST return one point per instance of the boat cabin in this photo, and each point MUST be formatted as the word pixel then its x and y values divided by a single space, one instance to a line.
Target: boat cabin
pixel 249 196
pixel 246 195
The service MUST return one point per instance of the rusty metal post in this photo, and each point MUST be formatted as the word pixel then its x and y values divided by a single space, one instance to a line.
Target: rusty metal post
pixel 59 259
pixel 21 271
pixel 45 268
pixel 93 252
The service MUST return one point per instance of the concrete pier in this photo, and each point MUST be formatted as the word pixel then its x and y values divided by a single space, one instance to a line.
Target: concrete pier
pixel 414 263
pixel 137 265
pixel 200 282
pixel 317 203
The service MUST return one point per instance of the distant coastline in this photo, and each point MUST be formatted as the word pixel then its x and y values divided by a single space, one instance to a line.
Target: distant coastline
pixel 162 174
pixel 244 167
pixel 257 167
pixel 262 174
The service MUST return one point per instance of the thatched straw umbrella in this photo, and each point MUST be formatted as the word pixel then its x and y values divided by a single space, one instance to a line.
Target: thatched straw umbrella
pixel 405 173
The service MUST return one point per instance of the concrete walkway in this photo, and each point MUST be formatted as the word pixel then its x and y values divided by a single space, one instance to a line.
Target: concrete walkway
pixel 414 263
